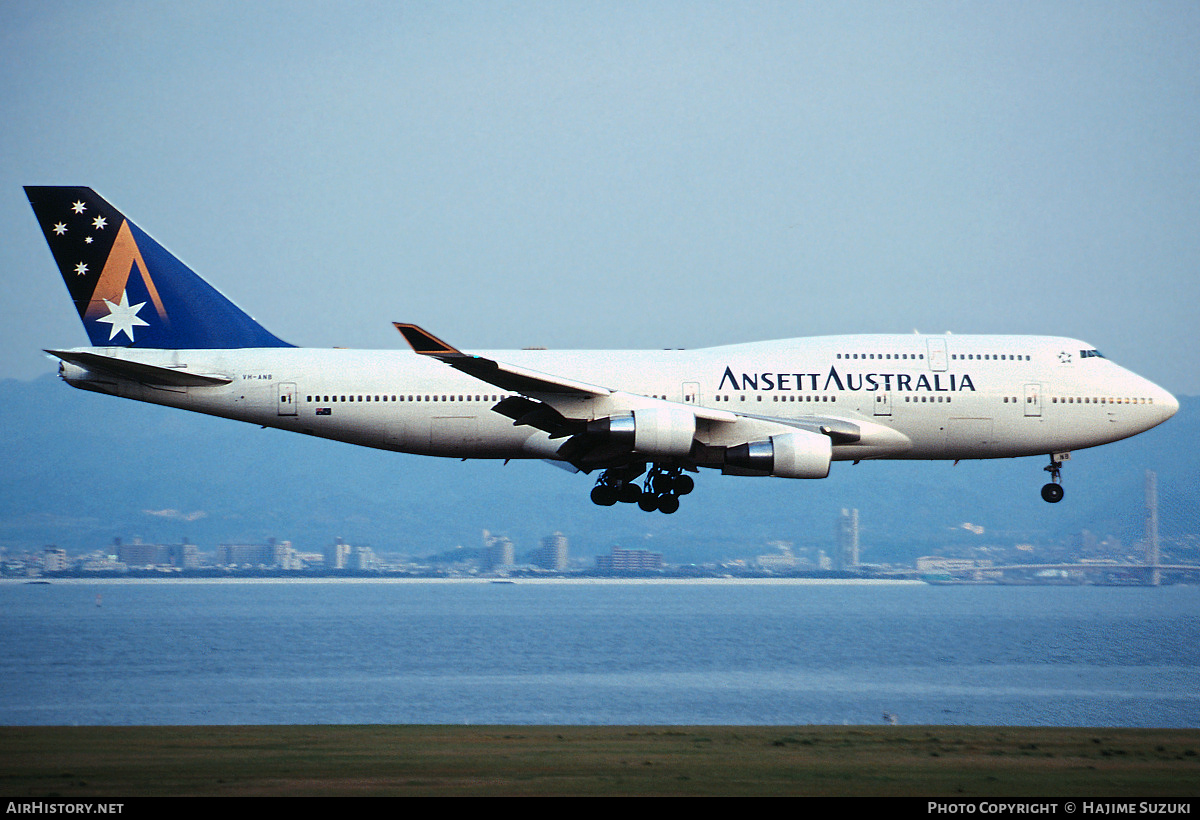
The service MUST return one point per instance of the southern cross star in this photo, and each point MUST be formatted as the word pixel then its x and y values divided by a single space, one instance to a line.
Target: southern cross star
pixel 123 317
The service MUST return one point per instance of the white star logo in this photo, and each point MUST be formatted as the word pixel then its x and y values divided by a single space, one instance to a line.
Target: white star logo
pixel 78 207
pixel 123 317
pixel 81 268
pixel 60 229
pixel 99 222
pixel 88 240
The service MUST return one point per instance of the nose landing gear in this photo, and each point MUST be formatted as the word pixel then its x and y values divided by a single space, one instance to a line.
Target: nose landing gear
pixel 1053 492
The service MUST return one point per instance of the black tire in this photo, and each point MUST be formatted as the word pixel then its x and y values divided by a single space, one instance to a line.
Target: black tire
pixel 668 503
pixel 1052 493
pixel 604 495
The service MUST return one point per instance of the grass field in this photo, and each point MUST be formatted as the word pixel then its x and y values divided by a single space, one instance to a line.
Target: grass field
pixel 80 762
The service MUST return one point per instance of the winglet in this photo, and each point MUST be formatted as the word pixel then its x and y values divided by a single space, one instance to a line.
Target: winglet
pixel 424 342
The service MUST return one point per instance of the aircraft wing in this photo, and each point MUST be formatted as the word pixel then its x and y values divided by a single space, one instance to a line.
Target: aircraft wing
pixel 504 376
pixel 561 393
pixel 595 420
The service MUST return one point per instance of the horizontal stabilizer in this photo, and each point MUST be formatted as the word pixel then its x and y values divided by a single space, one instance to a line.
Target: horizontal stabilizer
pixel 138 371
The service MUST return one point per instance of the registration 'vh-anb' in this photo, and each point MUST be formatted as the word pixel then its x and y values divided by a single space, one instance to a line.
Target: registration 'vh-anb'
pixel 643 421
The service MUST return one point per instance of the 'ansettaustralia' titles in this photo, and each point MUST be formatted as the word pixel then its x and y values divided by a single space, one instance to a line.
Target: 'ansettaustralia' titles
pixel 933 382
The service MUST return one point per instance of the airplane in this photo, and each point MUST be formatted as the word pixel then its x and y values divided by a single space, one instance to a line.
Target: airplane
pixel 645 421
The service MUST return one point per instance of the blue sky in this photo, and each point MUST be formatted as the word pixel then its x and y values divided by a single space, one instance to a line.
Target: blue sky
pixel 612 175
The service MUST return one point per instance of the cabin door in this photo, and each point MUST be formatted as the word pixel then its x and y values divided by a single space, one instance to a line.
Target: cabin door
pixel 937 355
pixel 883 403
pixel 1033 400
pixel 287 398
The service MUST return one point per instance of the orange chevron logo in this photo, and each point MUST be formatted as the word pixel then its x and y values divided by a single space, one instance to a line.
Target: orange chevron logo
pixel 124 258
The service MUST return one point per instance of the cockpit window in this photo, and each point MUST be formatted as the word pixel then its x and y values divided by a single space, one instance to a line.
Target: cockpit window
pixel 1088 354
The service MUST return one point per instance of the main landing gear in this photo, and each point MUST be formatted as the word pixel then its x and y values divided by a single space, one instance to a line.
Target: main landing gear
pixel 660 491
pixel 1053 492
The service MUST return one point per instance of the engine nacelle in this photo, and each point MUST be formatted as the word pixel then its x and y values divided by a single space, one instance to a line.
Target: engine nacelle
pixel 652 431
pixel 801 454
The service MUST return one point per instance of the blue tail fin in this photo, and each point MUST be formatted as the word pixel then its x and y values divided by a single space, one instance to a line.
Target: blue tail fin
pixel 128 289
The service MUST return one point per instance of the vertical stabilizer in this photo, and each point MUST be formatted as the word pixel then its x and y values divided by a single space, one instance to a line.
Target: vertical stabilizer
pixel 128 289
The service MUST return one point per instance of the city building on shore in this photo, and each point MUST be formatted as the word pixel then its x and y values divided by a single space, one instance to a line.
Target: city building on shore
pixel 846 556
pixel 499 552
pixel 275 554
pixel 625 561
pixel 552 555
pixel 54 559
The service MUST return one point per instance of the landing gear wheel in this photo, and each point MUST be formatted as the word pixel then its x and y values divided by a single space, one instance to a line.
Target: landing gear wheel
pixel 660 491
pixel 604 495
pixel 617 485
pixel 663 488
pixel 1052 493
pixel 629 493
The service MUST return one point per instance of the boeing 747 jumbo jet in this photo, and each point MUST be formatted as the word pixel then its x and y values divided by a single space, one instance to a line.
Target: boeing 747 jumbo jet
pixel 644 420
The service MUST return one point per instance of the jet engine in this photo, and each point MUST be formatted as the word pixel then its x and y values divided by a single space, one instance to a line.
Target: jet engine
pixel 801 454
pixel 652 431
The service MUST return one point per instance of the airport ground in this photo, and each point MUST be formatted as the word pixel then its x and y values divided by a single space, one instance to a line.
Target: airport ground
pixel 914 761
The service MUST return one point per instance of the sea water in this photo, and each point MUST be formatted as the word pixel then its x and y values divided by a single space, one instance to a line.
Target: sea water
pixel 639 652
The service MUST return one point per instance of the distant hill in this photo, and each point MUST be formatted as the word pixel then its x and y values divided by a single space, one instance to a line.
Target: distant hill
pixel 82 469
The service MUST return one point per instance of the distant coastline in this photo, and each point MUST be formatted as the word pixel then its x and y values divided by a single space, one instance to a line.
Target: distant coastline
pixel 334 579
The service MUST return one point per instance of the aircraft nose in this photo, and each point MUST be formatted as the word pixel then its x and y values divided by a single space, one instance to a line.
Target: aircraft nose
pixel 1155 405
pixel 1165 405
pixel 1170 405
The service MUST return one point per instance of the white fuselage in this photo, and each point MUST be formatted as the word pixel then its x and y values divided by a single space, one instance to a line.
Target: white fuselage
pixel 927 397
